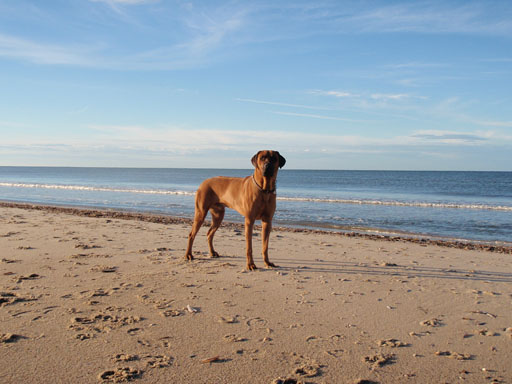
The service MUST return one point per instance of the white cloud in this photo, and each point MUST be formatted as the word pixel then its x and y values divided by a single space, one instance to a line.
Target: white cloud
pixel 363 97
pixel 185 139
pixel 42 53
pixel 209 30
pixel 184 147
pixel 321 117
pixel 455 137
pixel 504 124
pixel 206 29
pixel 416 65
pixel 283 104
pixel 432 18
pixel 338 94
pixel 202 33
pixel 125 2
pixel 396 96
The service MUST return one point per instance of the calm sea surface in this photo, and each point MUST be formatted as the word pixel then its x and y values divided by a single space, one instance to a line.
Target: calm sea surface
pixel 456 205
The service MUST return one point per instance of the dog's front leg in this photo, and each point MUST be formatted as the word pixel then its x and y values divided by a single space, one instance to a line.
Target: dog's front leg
pixel 249 225
pixel 266 227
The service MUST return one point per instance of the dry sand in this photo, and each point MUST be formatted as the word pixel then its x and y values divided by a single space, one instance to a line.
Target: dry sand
pixel 99 300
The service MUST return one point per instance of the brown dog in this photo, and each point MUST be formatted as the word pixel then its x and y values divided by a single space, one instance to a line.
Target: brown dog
pixel 254 197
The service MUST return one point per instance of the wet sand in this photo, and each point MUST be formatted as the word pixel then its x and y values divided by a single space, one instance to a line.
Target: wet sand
pixel 91 296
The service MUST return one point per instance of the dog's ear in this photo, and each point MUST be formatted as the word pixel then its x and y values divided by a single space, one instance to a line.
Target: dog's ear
pixel 282 160
pixel 254 159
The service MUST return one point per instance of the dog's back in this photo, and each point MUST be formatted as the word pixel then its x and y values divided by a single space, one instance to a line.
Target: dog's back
pixel 221 190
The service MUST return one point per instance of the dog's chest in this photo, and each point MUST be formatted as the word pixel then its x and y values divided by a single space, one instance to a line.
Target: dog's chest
pixel 265 205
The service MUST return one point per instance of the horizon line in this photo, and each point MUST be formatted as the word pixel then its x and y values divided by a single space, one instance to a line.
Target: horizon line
pixel 245 169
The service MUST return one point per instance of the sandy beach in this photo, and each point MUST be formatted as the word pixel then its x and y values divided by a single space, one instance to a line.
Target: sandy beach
pixel 87 299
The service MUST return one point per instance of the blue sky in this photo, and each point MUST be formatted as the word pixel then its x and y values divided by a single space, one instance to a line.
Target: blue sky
pixel 330 84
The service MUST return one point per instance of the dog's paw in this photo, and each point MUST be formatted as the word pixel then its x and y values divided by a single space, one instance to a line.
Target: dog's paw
pixel 189 257
pixel 251 267
pixel 214 255
pixel 270 265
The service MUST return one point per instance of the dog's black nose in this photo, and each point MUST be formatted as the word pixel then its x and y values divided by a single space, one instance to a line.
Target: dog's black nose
pixel 268 170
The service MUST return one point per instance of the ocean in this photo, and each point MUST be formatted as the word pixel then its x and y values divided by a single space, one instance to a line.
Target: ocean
pixel 474 206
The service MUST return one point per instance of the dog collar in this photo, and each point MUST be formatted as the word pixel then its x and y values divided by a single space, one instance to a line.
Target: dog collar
pixel 273 191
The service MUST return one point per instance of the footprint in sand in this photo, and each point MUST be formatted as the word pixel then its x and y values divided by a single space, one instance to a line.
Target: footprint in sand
pixel 256 322
pixel 9 298
pixel 286 380
pixel 234 339
pixel 172 313
pixel 103 269
pixel 97 293
pixel 84 336
pixel 431 323
pixel 486 332
pixel 9 234
pixel 21 278
pixel 86 246
pixel 120 375
pixel 379 360
pixel 229 320
pixel 455 355
pixel 10 337
pixel 308 370
pixel 158 361
pixel 10 261
pixel 124 357
pixel 102 322
pixel 392 343
pixel 134 331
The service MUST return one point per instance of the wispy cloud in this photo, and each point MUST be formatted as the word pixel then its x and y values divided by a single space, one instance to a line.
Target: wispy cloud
pixel 390 96
pixel 337 94
pixel 446 137
pixel 504 124
pixel 321 117
pixel 119 7
pixel 363 98
pixel 434 18
pixel 191 139
pixel 417 65
pixel 281 104
pixel 125 2
pixel 41 53
pixel 206 28
pixel 194 38
pixel 186 147
pixel 210 28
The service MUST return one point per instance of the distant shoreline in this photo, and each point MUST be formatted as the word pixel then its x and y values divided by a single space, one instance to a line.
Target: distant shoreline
pixel 496 247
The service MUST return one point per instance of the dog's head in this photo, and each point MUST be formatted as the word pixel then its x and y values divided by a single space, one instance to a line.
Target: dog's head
pixel 268 162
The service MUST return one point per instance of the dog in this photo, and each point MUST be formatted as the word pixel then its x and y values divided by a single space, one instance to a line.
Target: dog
pixel 254 197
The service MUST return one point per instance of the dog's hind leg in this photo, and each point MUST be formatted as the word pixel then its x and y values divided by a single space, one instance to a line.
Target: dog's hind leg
pixel 217 212
pixel 198 221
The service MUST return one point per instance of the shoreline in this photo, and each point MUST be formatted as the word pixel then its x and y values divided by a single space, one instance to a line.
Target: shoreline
pixel 495 247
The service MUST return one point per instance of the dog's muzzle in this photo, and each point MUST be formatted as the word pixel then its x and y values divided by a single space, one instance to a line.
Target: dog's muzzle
pixel 268 170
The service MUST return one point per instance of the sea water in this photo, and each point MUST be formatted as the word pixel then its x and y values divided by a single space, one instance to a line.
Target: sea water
pixel 454 205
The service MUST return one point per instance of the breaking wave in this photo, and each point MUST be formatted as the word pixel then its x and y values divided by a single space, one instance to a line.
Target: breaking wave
pixel 96 189
pixel 400 203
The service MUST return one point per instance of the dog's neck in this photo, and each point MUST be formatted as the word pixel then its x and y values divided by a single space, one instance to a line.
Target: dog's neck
pixel 264 184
